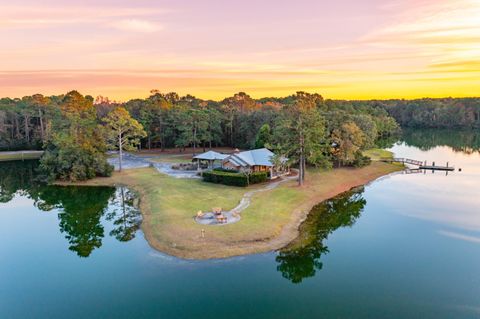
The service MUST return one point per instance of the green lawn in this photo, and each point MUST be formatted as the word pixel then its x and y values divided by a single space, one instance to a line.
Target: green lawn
pixel 171 159
pixel 377 154
pixel 170 204
pixel 20 155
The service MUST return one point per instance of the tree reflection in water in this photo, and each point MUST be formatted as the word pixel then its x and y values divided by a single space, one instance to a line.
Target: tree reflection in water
pixel 16 178
pixel 302 258
pixel 125 216
pixel 82 211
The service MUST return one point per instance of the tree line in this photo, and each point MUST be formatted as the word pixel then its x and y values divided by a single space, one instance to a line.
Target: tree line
pixel 434 113
pixel 76 130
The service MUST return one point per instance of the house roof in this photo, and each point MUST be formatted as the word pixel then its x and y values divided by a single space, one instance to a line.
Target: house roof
pixel 211 156
pixel 261 156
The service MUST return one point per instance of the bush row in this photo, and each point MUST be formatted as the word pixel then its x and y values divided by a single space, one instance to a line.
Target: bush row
pixel 226 178
pixel 233 178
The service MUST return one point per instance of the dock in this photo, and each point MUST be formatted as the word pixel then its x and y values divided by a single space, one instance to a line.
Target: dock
pixel 422 165
pixel 437 168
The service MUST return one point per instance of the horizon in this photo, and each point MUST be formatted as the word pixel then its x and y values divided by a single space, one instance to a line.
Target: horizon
pixel 347 50
pixel 237 92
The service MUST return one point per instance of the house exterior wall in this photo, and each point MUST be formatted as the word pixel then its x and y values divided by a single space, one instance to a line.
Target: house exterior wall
pixel 260 168
pixel 229 165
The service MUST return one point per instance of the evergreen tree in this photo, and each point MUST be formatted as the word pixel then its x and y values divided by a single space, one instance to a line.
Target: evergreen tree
pixel 122 131
pixel 264 136
pixel 300 134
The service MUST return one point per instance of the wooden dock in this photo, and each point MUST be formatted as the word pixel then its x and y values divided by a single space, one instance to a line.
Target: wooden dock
pixel 422 165
pixel 408 161
pixel 437 168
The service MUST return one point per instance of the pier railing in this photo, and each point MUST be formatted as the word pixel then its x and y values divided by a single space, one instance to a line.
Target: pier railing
pixel 407 161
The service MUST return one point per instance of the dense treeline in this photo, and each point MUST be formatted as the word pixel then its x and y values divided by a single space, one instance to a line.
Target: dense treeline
pixel 174 121
pixel 26 123
pixel 434 113
pixel 76 131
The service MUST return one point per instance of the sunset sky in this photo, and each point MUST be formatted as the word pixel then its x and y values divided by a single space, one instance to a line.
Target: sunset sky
pixel 349 49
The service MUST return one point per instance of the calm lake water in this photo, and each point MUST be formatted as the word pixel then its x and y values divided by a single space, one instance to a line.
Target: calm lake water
pixel 405 246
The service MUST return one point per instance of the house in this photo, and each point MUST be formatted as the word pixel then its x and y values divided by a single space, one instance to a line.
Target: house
pixel 259 160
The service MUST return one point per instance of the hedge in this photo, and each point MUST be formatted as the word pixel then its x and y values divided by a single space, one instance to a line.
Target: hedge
pixel 220 169
pixel 226 178
pixel 258 177
pixel 234 179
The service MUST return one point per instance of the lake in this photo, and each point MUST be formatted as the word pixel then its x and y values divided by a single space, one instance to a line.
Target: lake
pixel 405 246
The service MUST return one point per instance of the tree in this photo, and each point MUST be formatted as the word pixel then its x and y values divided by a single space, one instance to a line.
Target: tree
pixel 213 134
pixel 75 149
pixel 300 134
pixel 192 125
pixel 347 141
pixel 263 137
pixel 123 132
pixel 368 127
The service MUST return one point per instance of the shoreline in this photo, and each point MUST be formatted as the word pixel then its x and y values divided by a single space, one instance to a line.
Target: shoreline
pixel 179 237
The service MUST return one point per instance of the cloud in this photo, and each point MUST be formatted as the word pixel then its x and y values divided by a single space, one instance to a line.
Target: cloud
pixel 137 25
pixel 449 22
pixel 21 17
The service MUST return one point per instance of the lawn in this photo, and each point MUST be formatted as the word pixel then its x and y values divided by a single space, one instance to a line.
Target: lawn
pixel 173 159
pixel 270 222
pixel 377 154
pixel 20 155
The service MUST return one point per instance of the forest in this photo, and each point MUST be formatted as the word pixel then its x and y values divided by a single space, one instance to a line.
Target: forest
pixel 435 113
pixel 76 130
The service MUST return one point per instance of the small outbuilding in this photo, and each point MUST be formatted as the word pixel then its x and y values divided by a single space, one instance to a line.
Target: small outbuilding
pixel 212 158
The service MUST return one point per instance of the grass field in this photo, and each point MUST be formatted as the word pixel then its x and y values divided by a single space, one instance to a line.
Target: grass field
pixel 20 155
pixel 377 154
pixel 270 222
pixel 172 159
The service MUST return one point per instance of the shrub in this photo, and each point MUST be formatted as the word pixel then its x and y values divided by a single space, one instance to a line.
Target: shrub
pixel 74 164
pixel 226 178
pixel 220 169
pixel 258 177
pixel 361 160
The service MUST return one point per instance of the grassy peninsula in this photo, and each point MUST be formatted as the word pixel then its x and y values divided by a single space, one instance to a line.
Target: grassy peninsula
pixel 271 221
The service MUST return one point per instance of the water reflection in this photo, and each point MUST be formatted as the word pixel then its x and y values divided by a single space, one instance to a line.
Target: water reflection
pixel 80 213
pixel 462 141
pixel 125 216
pixel 302 258
pixel 16 178
pixel 80 209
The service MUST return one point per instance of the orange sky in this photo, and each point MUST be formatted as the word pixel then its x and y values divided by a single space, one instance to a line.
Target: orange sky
pixel 346 49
